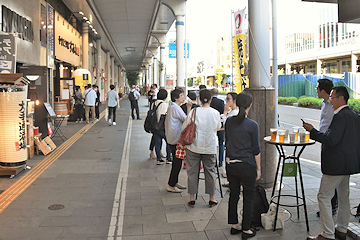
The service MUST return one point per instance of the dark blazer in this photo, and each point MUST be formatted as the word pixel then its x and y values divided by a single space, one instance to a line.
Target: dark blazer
pixel 218 104
pixel 340 150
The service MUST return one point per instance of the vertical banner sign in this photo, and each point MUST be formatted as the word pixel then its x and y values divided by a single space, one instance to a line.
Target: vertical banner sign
pixel 43 25
pixel 172 49
pixel 241 81
pixel 7 54
pixel 50 36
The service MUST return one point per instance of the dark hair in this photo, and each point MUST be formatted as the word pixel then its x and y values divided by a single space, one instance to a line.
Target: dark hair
pixel 341 91
pixel 192 95
pixel 175 94
pixel 326 85
pixel 205 96
pixel 89 85
pixel 233 95
pixel 86 87
pixel 155 85
pixel 214 92
pixel 243 101
pixel 202 86
pixel 162 94
pixel 77 88
pixel 112 87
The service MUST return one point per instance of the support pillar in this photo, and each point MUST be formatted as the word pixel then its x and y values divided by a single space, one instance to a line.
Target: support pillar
pixel 162 60
pixel 318 67
pixel 98 65
pixel 353 63
pixel 108 74
pixel 263 109
pixel 112 61
pixel 85 46
pixel 180 60
pixel 156 71
pixel 287 68
pixel 150 75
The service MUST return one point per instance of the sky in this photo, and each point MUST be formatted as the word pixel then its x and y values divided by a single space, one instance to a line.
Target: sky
pixel 206 19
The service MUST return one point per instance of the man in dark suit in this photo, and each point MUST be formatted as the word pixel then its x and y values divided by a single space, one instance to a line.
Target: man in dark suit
pixel 340 158
pixel 218 104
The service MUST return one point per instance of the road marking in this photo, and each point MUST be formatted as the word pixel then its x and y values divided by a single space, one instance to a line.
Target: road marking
pixel 312 120
pixel 310 161
pixel 16 189
pixel 117 216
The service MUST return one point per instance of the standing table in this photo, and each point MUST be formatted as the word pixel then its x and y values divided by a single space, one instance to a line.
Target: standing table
pixel 282 158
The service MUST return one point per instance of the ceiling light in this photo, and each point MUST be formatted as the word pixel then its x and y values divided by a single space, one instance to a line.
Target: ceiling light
pixel 85 18
pixel 88 22
pixel 95 32
pixel 81 13
pixel 91 26
pixel 130 49
pixel 91 44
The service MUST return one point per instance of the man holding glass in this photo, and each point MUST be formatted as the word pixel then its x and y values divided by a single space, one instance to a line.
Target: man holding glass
pixel 340 157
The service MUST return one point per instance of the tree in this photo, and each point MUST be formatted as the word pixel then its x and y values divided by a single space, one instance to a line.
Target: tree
pixel 190 82
pixel 198 80
pixel 219 75
pixel 132 77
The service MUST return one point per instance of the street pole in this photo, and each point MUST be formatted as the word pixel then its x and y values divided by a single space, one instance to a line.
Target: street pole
pixel 232 52
pixel 275 59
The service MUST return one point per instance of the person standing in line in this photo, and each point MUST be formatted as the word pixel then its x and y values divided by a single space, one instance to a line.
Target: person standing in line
pixel 90 99
pixel 203 148
pixel 97 103
pixel 340 157
pixel 243 164
pixel 154 93
pixel 219 104
pixel 134 102
pixel 173 127
pixel 112 99
pixel 323 90
pixel 79 105
pixel 192 98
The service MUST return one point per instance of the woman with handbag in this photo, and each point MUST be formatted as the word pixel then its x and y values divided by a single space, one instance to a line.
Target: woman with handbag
pixel 203 148
pixel 159 133
pixel 242 164
pixel 173 126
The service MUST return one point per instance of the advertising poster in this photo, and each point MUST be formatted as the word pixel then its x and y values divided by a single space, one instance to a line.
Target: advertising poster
pixel 240 56
pixel 50 36
pixel 7 54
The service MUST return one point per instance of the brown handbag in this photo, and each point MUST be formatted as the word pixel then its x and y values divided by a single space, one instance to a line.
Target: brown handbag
pixel 188 134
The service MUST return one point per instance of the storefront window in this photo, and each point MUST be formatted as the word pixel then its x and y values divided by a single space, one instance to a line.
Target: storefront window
pixel 346 67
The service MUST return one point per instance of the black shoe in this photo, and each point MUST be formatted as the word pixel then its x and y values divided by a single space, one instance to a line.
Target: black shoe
pixel 139 119
pixel 220 164
pixel 234 231
pixel 248 235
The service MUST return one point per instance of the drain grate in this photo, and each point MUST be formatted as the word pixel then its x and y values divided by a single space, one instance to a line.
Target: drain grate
pixel 103 150
pixel 56 207
pixel 105 159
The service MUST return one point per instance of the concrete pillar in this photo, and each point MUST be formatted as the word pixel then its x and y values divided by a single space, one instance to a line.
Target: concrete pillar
pixel 98 65
pixel 263 110
pixel 353 63
pixel 162 60
pixel 180 60
pixel 287 68
pixel 318 67
pixel 147 76
pixel 150 75
pixel 156 71
pixel 112 61
pixel 85 46
pixel 108 73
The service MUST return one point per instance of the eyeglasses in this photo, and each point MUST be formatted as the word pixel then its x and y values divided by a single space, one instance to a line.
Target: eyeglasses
pixel 330 97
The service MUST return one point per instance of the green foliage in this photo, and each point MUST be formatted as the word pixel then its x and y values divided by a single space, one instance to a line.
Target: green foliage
pixel 354 104
pixel 223 92
pixel 219 75
pixel 132 77
pixel 190 82
pixel 288 99
pixel 310 101
pixel 198 80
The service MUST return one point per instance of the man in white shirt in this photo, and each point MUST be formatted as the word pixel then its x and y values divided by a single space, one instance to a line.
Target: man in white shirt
pixel 134 102
pixel 154 92
pixel 90 99
pixel 112 99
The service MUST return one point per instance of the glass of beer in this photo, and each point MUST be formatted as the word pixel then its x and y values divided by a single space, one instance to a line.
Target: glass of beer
pixel 296 131
pixel 307 136
pixel 282 135
pixel 292 137
pixel 302 137
pixel 273 132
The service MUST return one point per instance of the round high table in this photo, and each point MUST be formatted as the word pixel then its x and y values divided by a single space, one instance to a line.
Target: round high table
pixel 296 159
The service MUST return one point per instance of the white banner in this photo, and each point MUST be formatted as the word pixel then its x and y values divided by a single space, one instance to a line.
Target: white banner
pixel 241 21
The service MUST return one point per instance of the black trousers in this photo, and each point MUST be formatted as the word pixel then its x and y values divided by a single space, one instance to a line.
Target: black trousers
pixel 79 110
pixel 175 167
pixel 241 174
pixel 112 112
pixel 97 111
pixel 152 143
pixel 134 105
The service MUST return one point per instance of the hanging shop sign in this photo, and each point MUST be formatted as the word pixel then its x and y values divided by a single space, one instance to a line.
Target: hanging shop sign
pixel 67 41
pixel 240 58
pixel 7 54
pixel 17 25
pixel 50 36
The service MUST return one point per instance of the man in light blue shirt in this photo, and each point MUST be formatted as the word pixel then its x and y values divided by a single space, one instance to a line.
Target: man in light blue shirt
pixel 90 99
pixel 323 89
pixel 134 102
pixel 112 98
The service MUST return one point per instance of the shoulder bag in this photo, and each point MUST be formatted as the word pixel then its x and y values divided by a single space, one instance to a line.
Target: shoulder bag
pixel 188 134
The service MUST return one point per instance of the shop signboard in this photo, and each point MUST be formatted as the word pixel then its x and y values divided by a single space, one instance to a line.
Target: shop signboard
pixel 67 41
pixel 43 25
pixel 7 54
pixel 172 49
pixel 50 37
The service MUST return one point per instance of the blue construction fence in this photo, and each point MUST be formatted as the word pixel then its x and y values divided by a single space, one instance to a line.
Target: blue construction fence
pixel 297 85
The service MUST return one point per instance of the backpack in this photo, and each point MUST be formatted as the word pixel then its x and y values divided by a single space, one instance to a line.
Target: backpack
pixel 260 205
pixel 131 96
pixel 150 123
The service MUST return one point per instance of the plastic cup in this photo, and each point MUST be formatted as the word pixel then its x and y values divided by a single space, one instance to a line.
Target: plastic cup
pixel 307 136
pixel 281 135
pixel 302 137
pixel 292 137
pixel 273 132
pixel 296 131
